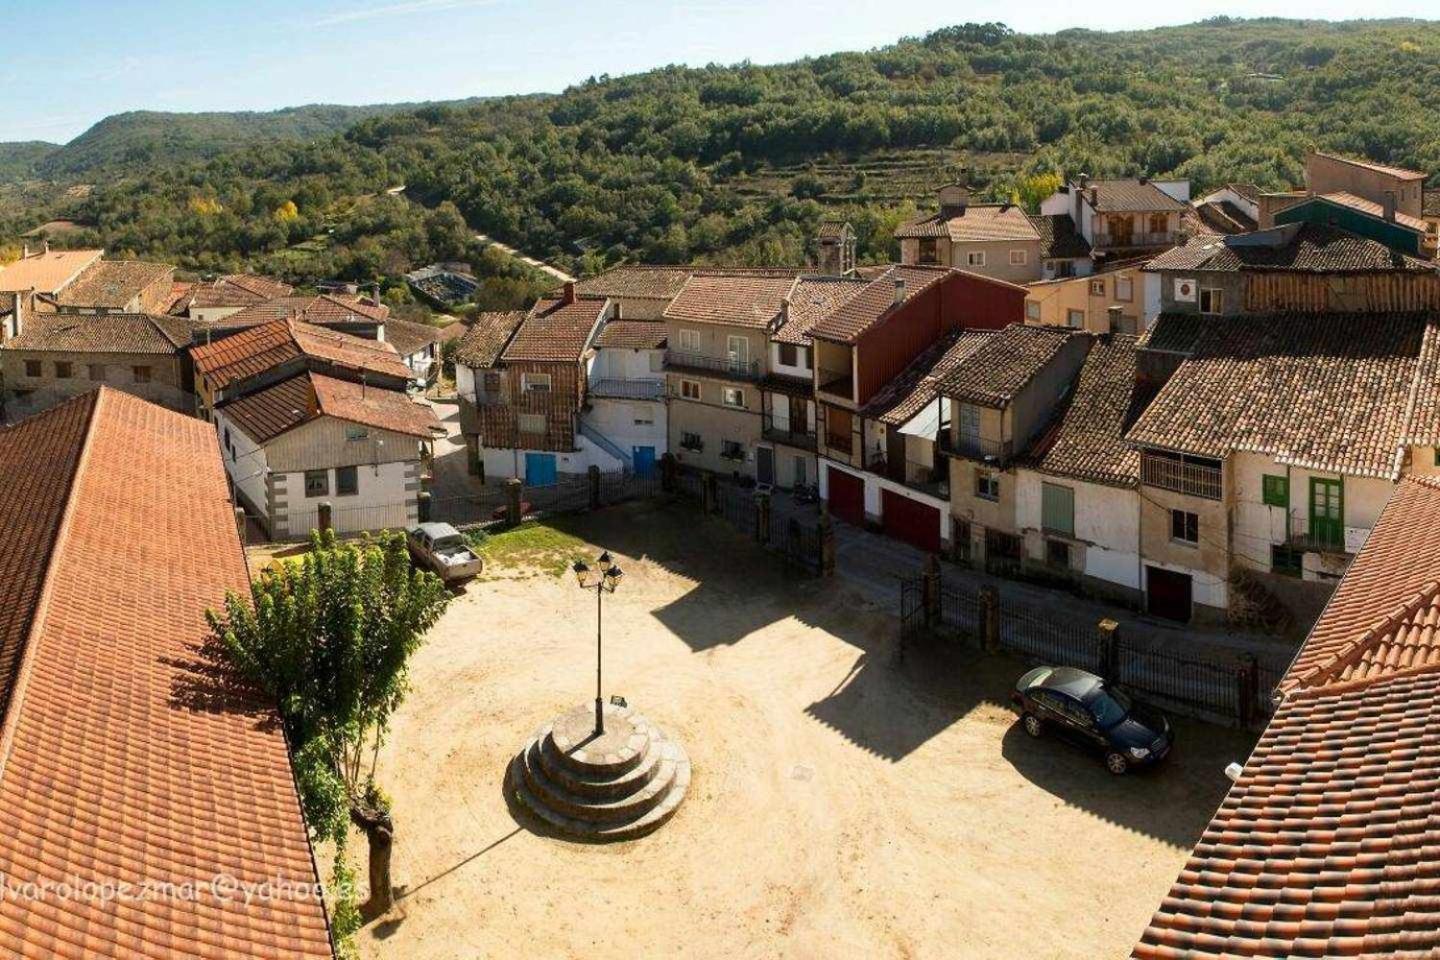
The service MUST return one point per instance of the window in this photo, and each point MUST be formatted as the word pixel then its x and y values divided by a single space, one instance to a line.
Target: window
pixel 928 252
pixel 691 441
pixel 1057 509
pixel 789 355
pixel 1018 258
pixel 1159 223
pixel 1212 300
pixel 734 397
pixel 1057 553
pixel 353 431
pixel 1124 289
pixel 690 341
pixel 1184 526
pixel 347 481
pixel 1287 561
pixel 64 369
pixel 141 374
pixel 987 486
pixel 1032 309
pixel 1097 287
pixel 690 389
pixel 492 383
pixel 737 351
pixel 975 258
pixel 657 361
pixel 531 422
pixel 317 483
pixel 97 371
pixel 535 382
pixel 1075 319
pixel 32 368
pixel 732 450
pixel 1276 491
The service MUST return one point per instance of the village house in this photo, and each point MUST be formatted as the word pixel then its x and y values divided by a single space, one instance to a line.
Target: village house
pixel 1328 173
pixel 1234 208
pixel 1063 251
pixel 635 291
pixel 59 355
pixel 1270 449
pixel 1321 844
pixel 1111 301
pixel 870 471
pixel 1077 504
pixel 626 392
pixel 992 239
pixel 522 414
pixel 214 300
pixel 114 286
pixel 132 759
pixel 1120 219
pixel 44 273
pixel 834 249
pixel 997 402
pixel 312 443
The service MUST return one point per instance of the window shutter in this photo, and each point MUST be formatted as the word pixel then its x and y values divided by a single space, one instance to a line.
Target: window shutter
pixel 1057 508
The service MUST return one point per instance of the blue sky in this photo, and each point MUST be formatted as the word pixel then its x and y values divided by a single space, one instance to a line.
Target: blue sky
pixel 116 55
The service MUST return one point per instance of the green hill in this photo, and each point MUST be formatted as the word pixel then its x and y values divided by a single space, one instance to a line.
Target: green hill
pixel 738 163
pixel 21 160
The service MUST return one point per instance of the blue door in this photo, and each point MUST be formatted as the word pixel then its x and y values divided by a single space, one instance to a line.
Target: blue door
pixel 539 469
pixel 644 458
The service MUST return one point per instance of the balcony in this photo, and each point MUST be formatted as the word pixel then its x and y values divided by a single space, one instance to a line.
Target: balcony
pixel 1195 478
pixel 837 383
pixel 612 389
pixel 843 443
pixel 921 477
pixel 1322 537
pixel 783 433
pixel 731 367
pixel 974 447
pixel 1137 238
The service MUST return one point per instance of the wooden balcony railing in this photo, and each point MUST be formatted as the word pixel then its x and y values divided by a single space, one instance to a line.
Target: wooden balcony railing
pixel 725 366
pixel 1190 477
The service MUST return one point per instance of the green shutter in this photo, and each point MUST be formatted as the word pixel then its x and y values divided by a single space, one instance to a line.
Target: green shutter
pixel 1057 509
pixel 1276 491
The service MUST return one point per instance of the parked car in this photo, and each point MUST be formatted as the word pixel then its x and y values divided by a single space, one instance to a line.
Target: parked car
pixel 441 548
pixel 1082 707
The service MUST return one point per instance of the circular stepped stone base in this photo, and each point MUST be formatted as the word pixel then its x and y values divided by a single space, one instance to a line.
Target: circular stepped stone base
pixel 617 786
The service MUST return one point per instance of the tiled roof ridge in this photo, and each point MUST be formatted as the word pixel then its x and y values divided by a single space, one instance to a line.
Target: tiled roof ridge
pixel 9 721
pixel 1353 649
pixel 1372 165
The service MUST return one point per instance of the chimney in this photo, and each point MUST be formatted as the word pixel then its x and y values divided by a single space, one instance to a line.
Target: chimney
pixel 784 310
pixel 1389 206
pixel 899 290
pixel 1144 179
pixel 568 296
pixel 1083 181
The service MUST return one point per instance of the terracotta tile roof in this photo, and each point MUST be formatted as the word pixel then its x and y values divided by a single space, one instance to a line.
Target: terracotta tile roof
pixel 733 299
pixel 343 308
pixel 454 331
pixel 1326 844
pixel 1372 209
pixel 257 349
pixel 180 293
pixel 279 408
pixel 1127 196
pixel 1223 217
pixel 874 302
pixel 129 758
pixel 113 283
pixel 975 222
pixel 906 395
pixel 1430 203
pixel 1249 191
pixel 1399 173
pixel 635 282
pixel 266 311
pixel 487 337
pixel 238 290
pixel 1286 386
pixel 833 229
pixel 1300 247
pixel 410 338
pixel 104 333
pixel 46 272
pixel 1174 332
pixel 812 299
pixel 555 330
pixel 1059 240
pixel 1005 363
pixel 1088 440
pixel 632 335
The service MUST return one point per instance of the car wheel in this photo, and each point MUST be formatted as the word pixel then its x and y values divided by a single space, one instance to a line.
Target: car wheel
pixel 1116 762
pixel 1033 724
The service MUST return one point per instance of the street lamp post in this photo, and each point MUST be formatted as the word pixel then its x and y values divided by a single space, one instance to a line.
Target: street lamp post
pixel 603 580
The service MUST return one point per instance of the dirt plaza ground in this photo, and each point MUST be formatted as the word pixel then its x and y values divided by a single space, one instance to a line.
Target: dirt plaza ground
pixel 842 804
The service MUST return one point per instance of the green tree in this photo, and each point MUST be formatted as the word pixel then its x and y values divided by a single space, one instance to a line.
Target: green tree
pixel 330 639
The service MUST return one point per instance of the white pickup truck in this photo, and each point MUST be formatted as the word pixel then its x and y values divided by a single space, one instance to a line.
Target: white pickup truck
pixel 441 548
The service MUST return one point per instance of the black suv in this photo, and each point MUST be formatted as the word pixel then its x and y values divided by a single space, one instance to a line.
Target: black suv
pixel 1081 707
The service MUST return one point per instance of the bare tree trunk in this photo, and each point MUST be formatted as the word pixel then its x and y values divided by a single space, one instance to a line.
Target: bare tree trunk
pixel 379 830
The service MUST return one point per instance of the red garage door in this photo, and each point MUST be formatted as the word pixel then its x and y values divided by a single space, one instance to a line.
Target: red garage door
pixel 916 523
pixel 846 494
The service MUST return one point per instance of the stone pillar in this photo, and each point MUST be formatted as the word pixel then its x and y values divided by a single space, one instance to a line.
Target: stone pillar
pixel 513 486
pixel 827 543
pixel 930 590
pixel 1108 637
pixel 709 494
pixel 668 470
pixel 990 618
pixel 762 518
pixel 240 525
pixel 324 516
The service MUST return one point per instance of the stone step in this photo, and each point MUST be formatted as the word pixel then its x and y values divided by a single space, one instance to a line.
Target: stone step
pixel 607 831
pixel 621 748
pixel 601 786
pixel 581 807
